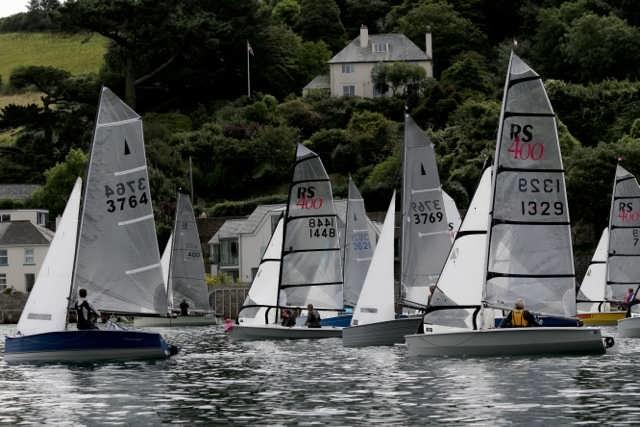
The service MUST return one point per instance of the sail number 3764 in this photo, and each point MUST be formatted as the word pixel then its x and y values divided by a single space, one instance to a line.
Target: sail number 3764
pixel 128 194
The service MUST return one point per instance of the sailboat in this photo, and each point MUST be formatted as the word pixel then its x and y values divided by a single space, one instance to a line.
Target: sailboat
pixel 623 270
pixel 528 242
pixel 116 255
pixel 595 296
pixel 309 263
pixel 374 317
pixel 426 229
pixel 183 272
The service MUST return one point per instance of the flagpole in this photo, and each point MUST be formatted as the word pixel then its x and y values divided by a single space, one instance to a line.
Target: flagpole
pixel 248 73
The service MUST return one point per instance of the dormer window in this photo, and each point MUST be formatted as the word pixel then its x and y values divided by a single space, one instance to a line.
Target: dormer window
pixel 380 47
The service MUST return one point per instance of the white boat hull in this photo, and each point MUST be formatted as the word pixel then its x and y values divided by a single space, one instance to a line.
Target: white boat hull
pixel 629 327
pixel 203 320
pixel 380 333
pixel 275 332
pixel 508 342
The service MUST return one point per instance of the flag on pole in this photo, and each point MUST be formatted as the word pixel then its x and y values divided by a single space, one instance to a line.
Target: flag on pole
pixel 249 50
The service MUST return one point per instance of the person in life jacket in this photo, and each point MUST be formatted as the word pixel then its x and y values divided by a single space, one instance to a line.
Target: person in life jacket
pixel 519 317
pixel 87 315
pixel 313 317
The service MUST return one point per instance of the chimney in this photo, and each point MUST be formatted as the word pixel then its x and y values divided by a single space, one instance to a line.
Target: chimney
pixel 364 36
pixel 428 49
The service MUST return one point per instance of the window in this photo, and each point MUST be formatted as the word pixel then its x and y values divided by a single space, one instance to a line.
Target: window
pixel 348 90
pixel 3 280
pixel 347 68
pixel 42 218
pixel 5 218
pixel 215 253
pixel 28 257
pixel 377 90
pixel 4 258
pixel 228 252
pixel 380 47
pixel 29 280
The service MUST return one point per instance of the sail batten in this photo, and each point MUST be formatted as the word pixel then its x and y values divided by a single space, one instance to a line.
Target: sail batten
pixel 529 241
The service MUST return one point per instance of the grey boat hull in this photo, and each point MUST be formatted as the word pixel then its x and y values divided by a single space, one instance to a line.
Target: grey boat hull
pixel 277 332
pixel 203 320
pixel 629 327
pixel 380 333
pixel 508 342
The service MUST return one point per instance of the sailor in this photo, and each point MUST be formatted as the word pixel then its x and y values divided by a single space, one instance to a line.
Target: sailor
pixel 87 315
pixel 519 317
pixel 313 317
pixel 628 299
pixel 184 308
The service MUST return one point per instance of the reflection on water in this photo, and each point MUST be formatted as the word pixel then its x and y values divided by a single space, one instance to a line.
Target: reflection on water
pixel 216 380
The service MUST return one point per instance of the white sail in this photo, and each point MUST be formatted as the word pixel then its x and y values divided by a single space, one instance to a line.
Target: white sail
pixel 426 237
pixel 462 278
pixel 164 262
pixel 264 288
pixel 117 258
pixel 593 287
pixel 453 215
pixel 311 269
pixel 46 308
pixel 359 241
pixel 376 302
pixel 187 265
pixel 530 253
pixel 623 268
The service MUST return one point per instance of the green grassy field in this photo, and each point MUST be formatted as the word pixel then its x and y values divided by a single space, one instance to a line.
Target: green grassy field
pixel 78 53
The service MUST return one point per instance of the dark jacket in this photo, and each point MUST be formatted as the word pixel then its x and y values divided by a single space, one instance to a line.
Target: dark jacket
pixel 87 315
pixel 313 319
pixel 519 319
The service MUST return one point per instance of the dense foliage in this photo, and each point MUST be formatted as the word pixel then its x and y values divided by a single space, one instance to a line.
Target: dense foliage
pixel 182 63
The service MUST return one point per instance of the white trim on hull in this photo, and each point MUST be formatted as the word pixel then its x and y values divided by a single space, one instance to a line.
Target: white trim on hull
pixel 629 327
pixel 275 332
pixel 72 356
pixel 205 320
pixel 380 333
pixel 508 342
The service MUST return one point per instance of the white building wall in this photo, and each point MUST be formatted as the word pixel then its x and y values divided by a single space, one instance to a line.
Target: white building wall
pixel 30 215
pixel 16 268
pixel 252 246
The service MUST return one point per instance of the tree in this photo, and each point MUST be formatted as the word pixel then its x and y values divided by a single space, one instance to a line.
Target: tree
pixel 287 12
pixel 401 77
pixel 320 20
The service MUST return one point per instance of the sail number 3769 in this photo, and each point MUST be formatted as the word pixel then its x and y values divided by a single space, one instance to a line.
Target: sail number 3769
pixel 128 194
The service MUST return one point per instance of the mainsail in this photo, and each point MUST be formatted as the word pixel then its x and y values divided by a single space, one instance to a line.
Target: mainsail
pixel 186 268
pixel 359 241
pixel 426 238
pixel 263 293
pixel 311 269
pixel 376 302
pixel 460 283
pixel 46 308
pixel 623 268
pixel 530 254
pixel 117 258
pixel 593 287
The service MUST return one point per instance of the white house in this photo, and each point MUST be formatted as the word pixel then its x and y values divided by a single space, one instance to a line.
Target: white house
pixel 237 247
pixel 23 246
pixel 35 216
pixel 350 69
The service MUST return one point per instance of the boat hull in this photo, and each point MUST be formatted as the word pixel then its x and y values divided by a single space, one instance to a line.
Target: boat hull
pixel 508 342
pixel 341 321
pixel 629 327
pixel 145 322
pixel 605 318
pixel 380 333
pixel 276 332
pixel 86 346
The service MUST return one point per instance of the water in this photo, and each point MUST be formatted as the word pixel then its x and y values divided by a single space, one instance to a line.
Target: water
pixel 217 381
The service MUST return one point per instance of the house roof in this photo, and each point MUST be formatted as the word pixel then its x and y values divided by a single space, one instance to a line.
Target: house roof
pixel 320 81
pixel 235 227
pixel 400 49
pixel 17 191
pixel 17 233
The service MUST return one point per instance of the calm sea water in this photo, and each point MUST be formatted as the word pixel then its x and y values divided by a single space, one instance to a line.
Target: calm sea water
pixel 217 381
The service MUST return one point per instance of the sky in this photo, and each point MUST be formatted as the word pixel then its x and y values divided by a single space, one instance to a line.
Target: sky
pixel 9 7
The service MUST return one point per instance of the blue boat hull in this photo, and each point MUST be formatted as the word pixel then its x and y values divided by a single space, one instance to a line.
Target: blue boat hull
pixel 86 346
pixel 342 321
